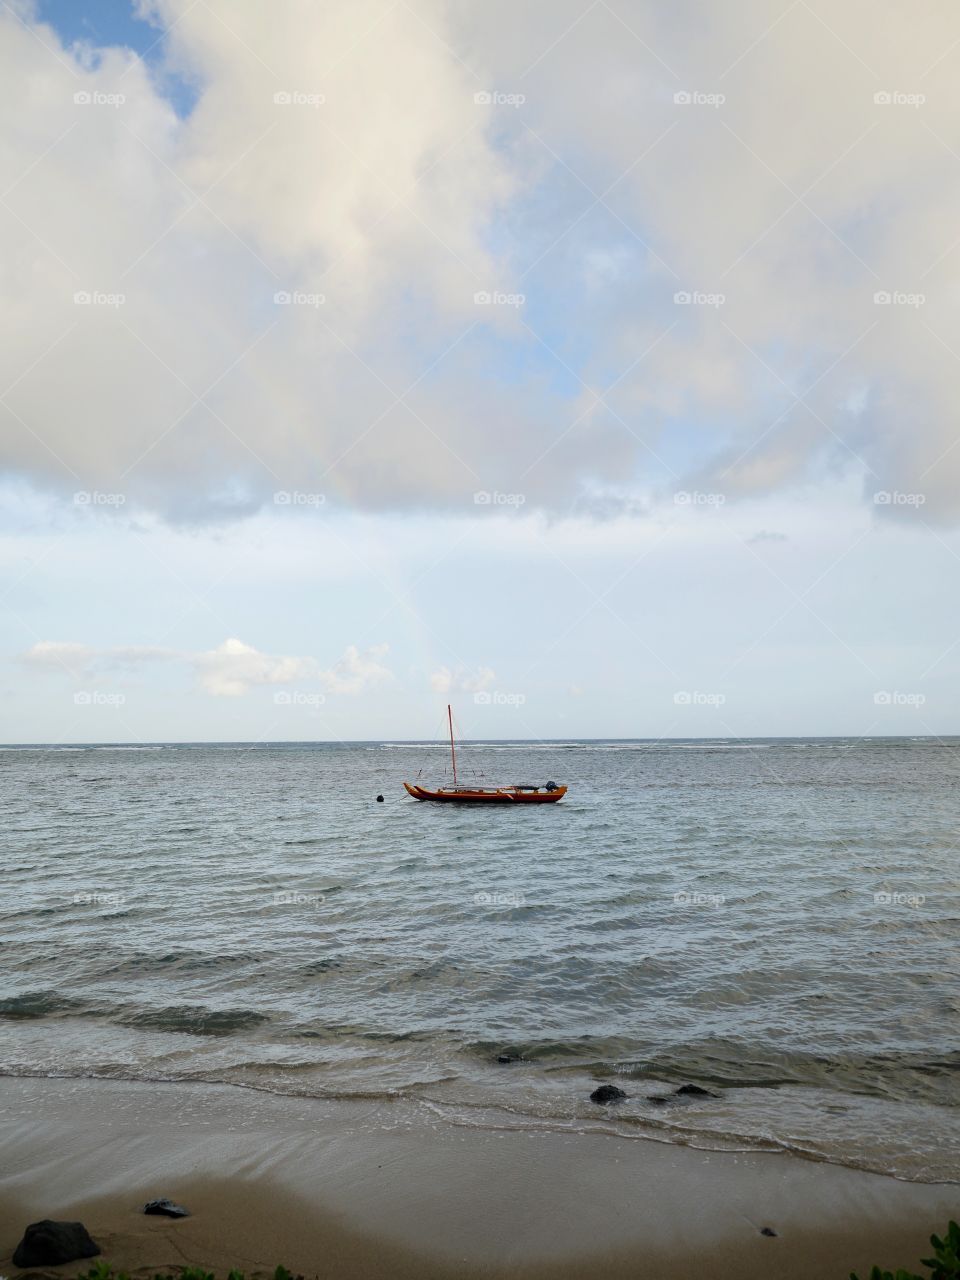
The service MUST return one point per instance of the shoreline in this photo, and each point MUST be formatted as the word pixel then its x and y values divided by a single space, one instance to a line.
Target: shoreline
pixel 602 1122
pixel 383 1191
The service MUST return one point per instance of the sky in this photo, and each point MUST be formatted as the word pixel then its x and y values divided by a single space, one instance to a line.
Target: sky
pixel 591 366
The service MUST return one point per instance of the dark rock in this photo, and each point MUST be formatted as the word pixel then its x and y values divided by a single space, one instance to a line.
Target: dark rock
pixel 652 1097
pixel 379 799
pixel 607 1093
pixel 47 1244
pixel 767 1231
pixel 509 1057
pixel 694 1091
pixel 166 1209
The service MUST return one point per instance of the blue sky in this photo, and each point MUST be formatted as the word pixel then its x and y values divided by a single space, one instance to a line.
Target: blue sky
pixel 599 379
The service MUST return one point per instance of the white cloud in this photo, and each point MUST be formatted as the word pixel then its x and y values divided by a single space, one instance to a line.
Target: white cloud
pixel 230 670
pixel 81 659
pixel 797 199
pixel 461 680
pixel 356 671
pixel 233 668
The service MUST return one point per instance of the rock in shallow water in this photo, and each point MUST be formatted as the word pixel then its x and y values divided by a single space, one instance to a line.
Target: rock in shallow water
pixel 48 1243
pixel 607 1093
pixel 694 1091
pixel 166 1209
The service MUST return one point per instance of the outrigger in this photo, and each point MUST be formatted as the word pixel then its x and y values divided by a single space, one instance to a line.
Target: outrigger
pixel 514 794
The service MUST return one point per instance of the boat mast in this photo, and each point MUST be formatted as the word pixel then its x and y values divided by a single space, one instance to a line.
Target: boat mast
pixel 453 753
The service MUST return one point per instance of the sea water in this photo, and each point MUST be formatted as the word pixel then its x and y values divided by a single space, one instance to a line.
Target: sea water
pixel 775 921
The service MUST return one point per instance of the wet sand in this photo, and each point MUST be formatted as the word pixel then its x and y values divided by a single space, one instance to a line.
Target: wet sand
pixel 360 1189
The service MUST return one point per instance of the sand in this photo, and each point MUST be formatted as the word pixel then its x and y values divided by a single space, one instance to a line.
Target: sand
pixel 388 1189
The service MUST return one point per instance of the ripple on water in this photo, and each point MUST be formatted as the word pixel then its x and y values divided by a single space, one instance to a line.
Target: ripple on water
pixel 773 920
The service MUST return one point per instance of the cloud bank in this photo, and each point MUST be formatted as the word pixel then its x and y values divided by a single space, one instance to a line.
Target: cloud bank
pixel 230 670
pixel 395 256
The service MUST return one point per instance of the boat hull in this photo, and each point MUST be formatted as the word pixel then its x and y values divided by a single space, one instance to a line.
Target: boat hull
pixel 499 795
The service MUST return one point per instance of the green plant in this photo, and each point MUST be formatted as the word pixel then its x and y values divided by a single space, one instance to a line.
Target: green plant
pixel 103 1271
pixel 944 1265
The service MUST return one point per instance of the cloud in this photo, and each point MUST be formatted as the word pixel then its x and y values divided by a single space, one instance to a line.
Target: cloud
pixel 461 680
pixel 356 671
pixel 336 157
pixel 86 660
pixel 233 668
pixel 230 670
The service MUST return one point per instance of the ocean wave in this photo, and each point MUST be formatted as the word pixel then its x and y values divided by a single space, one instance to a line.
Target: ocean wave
pixel 36 1004
pixel 195 1020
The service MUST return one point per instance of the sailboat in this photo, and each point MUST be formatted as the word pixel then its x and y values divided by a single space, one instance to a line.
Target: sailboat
pixel 514 794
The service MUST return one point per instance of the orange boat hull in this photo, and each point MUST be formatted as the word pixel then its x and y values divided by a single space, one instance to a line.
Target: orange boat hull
pixel 500 795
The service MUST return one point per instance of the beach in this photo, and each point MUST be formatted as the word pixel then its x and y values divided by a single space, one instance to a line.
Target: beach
pixel 360 1039
pixel 375 1189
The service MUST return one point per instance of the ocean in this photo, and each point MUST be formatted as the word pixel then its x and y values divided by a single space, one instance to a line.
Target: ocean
pixel 775 921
